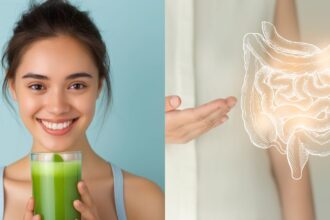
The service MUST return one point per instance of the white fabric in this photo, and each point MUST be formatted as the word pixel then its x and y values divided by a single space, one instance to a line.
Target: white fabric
pixel 234 180
pixel 181 189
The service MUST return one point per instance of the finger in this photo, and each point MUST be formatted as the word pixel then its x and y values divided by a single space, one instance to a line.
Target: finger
pixel 28 215
pixel 36 217
pixel 85 195
pixel 84 210
pixel 30 205
pixel 202 128
pixel 178 119
pixel 203 111
pixel 172 103
pixel 231 101
pixel 210 121
pixel 193 130
pixel 29 211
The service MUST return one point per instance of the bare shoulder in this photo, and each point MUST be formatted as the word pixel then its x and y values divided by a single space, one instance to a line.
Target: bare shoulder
pixel 18 170
pixel 143 198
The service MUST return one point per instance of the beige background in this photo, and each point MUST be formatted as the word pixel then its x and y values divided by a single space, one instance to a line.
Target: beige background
pixel 193 185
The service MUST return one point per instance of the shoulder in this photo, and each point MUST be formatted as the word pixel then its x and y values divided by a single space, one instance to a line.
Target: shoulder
pixel 18 170
pixel 143 198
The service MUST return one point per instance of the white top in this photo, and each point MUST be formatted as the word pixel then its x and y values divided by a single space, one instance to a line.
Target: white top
pixel 233 177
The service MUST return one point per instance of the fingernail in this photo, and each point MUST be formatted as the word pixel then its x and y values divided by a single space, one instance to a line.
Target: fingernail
pixel 36 217
pixel 30 205
pixel 174 101
pixel 76 203
pixel 82 185
pixel 232 104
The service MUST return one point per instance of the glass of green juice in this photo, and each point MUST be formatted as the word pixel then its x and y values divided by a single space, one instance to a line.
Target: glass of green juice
pixel 54 184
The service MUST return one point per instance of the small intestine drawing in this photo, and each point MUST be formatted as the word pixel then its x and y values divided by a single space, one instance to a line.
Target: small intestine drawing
pixel 285 97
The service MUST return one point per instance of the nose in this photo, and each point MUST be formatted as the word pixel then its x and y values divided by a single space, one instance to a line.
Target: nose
pixel 57 102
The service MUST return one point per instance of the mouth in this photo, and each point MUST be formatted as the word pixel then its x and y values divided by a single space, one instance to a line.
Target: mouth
pixel 57 128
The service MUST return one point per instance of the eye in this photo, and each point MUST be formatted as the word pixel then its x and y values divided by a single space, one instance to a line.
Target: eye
pixel 78 86
pixel 36 87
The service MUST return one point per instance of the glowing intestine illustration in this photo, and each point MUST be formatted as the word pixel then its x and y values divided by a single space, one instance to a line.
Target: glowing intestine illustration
pixel 286 96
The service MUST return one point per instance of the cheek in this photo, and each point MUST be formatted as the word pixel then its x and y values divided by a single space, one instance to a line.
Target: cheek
pixel 28 106
pixel 86 105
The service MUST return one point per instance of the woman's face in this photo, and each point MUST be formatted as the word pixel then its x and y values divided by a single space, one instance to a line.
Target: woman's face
pixel 56 87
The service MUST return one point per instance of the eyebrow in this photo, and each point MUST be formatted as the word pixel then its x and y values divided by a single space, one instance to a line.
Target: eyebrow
pixel 43 77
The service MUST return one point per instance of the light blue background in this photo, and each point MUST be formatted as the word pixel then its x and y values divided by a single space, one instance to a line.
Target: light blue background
pixel 133 135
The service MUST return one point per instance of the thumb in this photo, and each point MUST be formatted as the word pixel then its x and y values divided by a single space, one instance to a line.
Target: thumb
pixel 29 211
pixel 172 102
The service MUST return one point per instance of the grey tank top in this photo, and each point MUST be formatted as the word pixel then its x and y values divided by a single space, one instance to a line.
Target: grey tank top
pixel 118 192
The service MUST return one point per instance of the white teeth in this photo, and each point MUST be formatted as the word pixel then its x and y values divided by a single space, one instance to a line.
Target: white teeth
pixel 57 126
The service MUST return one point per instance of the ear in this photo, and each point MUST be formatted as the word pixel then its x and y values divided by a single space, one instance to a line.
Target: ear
pixel 100 87
pixel 11 85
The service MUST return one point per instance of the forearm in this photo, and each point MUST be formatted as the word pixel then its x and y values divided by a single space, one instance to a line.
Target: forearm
pixel 295 195
pixel 286 19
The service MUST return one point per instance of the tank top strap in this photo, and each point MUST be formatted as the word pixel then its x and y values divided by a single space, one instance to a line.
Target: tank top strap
pixel 119 192
pixel 1 193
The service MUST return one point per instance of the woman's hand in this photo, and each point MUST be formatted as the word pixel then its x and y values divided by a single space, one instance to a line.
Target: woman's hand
pixel 86 207
pixel 29 211
pixel 182 126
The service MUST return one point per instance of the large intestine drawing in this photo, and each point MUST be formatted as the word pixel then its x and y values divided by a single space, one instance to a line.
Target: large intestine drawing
pixel 286 96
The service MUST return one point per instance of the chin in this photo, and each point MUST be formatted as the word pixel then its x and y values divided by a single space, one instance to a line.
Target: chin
pixel 56 146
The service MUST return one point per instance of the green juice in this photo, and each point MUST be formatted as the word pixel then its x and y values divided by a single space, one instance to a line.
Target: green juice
pixel 55 188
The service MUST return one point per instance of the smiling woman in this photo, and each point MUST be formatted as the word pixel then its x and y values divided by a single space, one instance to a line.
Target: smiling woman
pixel 56 66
